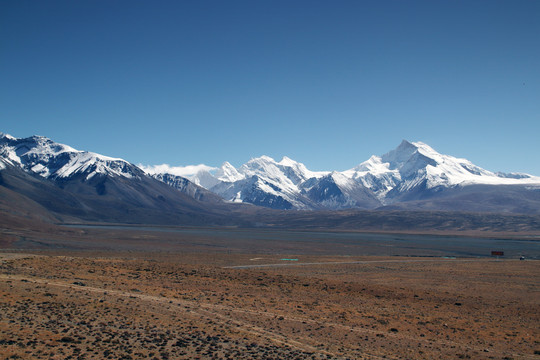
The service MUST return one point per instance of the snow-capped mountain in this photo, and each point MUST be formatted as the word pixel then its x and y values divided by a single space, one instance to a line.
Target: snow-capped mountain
pixel 412 176
pixel 410 172
pixel 415 165
pixel 97 186
pixel 52 160
pixel 264 181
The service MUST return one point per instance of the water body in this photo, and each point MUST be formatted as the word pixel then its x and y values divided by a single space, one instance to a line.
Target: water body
pixel 338 243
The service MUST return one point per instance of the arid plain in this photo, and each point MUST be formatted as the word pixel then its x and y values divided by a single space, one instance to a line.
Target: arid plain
pixel 191 298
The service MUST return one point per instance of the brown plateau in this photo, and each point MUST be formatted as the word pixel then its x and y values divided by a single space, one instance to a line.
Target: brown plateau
pixel 199 305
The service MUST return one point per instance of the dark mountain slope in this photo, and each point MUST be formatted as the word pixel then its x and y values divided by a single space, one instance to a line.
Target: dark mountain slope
pixel 104 198
pixel 516 199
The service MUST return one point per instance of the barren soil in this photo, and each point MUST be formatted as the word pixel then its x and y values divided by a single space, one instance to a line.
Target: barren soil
pixel 135 305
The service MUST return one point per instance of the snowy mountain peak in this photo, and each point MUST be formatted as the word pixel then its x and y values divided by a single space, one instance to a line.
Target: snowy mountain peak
pixel 227 165
pixel 264 164
pixel 407 152
pixel 373 165
pixel 7 136
pixel 228 173
pixel 408 145
pixel 287 161
pixel 418 162
pixel 260 161
pixel 49 159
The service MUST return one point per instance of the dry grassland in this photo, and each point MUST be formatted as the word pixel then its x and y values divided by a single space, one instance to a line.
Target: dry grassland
pixel 87 305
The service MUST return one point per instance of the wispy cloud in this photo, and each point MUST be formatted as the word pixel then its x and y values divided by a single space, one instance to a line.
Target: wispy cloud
pixel 185 171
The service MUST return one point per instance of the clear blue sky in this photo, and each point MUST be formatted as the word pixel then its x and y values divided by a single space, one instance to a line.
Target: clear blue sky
pixel 327 83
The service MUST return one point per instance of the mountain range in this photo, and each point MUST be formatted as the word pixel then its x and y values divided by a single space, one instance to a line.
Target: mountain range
pixel 40 178
pixel 412 176
pixel 54 181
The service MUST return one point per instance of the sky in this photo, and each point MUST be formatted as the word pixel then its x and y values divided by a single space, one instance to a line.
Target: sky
pixel 326 83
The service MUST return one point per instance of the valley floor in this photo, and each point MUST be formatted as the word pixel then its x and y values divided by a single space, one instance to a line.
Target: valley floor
pixel 135 305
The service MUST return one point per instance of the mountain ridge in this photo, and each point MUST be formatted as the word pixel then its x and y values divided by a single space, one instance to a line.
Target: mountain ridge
pixel 380 181
pixel 73 184
pixel 411 176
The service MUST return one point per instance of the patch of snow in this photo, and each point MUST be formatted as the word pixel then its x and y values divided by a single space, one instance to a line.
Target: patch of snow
pixel 41 170
pixel 238 197
pixel 12 157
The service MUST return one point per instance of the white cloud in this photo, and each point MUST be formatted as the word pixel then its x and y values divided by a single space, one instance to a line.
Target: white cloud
pixel 185 171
